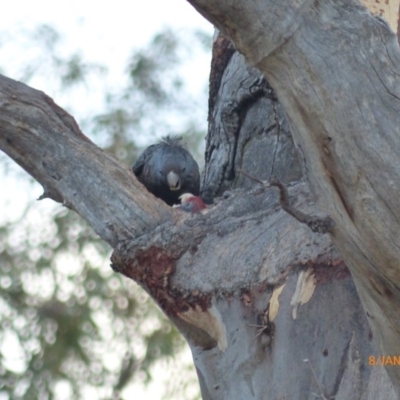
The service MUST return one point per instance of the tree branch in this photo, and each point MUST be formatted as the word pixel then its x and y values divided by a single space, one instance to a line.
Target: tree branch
pixel 173 255
pixel 46 141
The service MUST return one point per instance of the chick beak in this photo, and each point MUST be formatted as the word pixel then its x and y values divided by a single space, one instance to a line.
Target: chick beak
pixel 173 181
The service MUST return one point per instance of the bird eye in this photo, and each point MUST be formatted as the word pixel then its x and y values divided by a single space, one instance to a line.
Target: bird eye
pixel 188 207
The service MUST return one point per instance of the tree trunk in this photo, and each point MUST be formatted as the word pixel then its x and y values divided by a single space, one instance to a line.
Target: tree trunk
pixel 295 300
pixel 335 69
pixel 254 291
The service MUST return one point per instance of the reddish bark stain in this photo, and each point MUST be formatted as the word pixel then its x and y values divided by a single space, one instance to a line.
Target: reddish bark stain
pixel 157 262
pixel 152 269
pixel 221 54
pixel 329 271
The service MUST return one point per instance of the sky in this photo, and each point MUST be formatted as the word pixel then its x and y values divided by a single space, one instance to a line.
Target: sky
pixel 102 23
pixel 104 33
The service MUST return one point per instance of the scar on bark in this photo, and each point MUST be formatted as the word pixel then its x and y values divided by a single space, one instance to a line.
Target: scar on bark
pixel 265 327
pixel 321 394
pixel 316 224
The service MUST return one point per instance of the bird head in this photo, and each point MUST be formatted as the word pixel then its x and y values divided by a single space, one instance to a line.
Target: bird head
pixel 192 204
pixel 167 169
pixel 177 171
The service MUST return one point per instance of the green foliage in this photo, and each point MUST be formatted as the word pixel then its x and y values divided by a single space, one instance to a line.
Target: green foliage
pixel 45 61
pixel 148 68
pixel 68 323
pixel 155 101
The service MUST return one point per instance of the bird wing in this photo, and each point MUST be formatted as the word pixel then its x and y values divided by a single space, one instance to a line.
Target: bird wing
pixel 137 167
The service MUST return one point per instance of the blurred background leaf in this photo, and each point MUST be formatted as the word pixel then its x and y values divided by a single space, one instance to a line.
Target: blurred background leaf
pixel 69 326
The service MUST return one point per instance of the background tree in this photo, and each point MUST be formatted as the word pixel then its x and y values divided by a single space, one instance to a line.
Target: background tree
pixel 78 329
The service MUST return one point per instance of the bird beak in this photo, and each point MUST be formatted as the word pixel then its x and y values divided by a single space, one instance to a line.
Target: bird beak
pixel 173 181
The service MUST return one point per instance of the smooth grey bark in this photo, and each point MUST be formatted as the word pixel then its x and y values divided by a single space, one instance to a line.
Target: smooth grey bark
pixel 335 68
pixel 248 131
